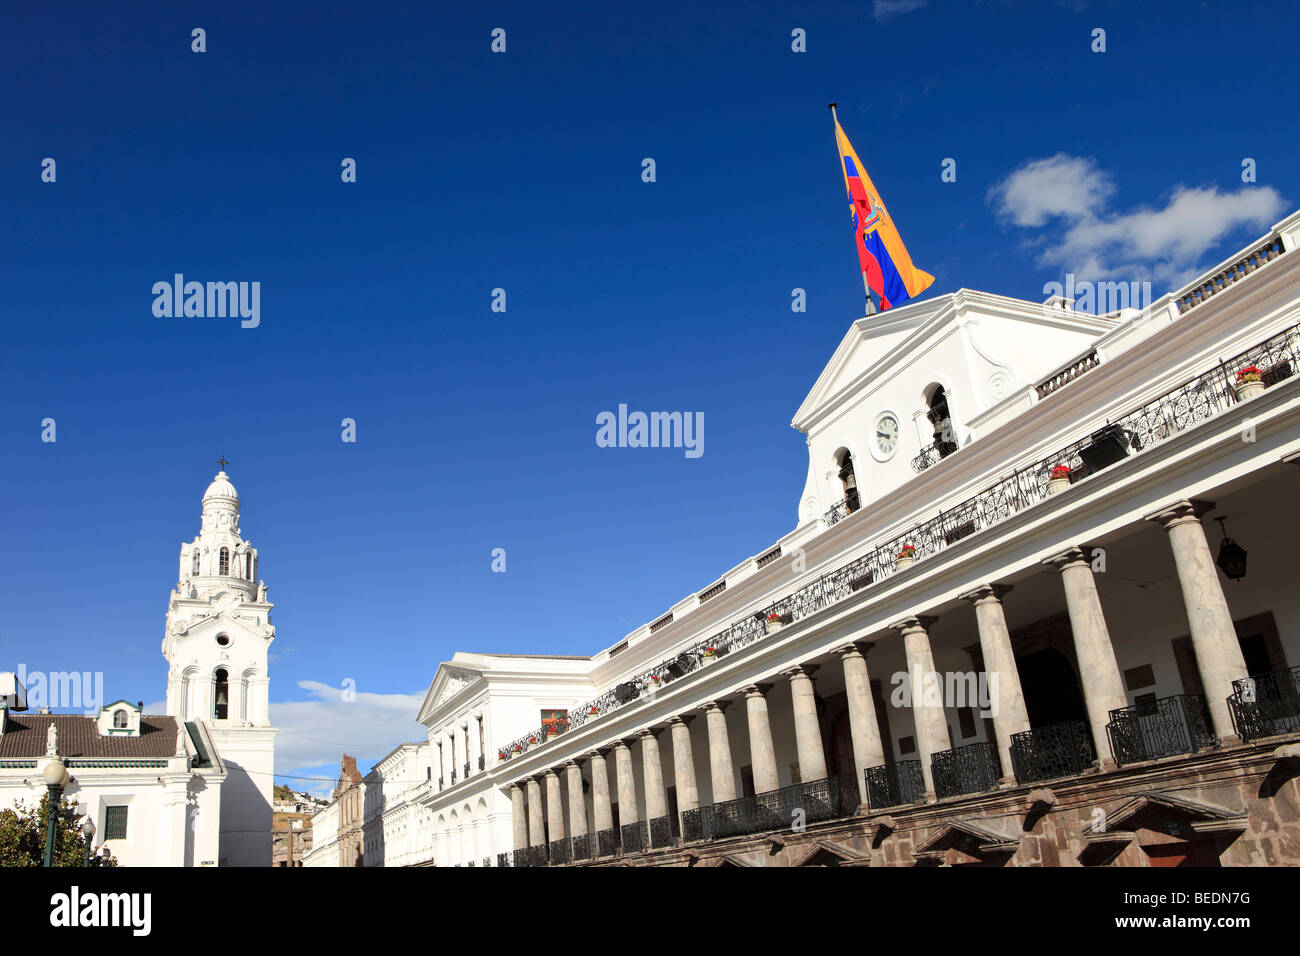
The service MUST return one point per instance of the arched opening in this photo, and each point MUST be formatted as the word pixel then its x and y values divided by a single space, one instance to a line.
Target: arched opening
pixel 221 701
pixel 224 566
pixel 194 563
pixel 844 459
pixel 940 416
pixel 119 719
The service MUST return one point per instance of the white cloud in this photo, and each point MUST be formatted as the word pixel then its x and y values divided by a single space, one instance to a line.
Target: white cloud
pixel 1165 244
pixel 889 9
pixel 316 733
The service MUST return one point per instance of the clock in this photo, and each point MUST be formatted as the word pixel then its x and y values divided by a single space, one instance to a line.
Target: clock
pixel 884 437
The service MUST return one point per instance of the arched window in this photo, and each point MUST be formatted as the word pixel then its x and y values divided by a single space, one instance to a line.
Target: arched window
pixel 194 564
pixel 945 437
pixel 224 567
pixel 119 719
pixel 850 481
pixel 221 703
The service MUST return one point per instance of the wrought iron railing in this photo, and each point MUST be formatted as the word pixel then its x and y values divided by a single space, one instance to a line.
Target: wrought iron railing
pixel 635 837
pixel 606 842
pixel 561 852
pixel 1159 728
pixel 582 847
pixel 802 803
pixel 487 861
pixel 481 764
pixel 537 855
pixel 892 785
pixel 1181 408
pixel 838 512
pixel 1057 750
pixel 503 859
pixel 523 857
pixel 974 768
pixel 661 831
pixel 1261 254
pixel 466 777
pixel 1266 704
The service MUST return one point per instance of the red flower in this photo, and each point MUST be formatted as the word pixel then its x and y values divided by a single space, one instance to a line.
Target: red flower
pixel 1061 471
pixel 774 618
pixel 532 740
pixel 907 552
pixel 655 678
pixel 1250 373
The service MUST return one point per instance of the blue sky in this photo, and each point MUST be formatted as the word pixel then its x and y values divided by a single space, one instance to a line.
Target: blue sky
pixel 522 171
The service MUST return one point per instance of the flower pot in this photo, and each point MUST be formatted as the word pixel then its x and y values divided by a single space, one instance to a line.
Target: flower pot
pixel 1248 390
pixel 774 626
pixel 904 561
pixel 1056 485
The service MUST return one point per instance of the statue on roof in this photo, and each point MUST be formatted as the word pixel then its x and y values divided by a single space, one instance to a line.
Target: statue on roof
pixel 52 741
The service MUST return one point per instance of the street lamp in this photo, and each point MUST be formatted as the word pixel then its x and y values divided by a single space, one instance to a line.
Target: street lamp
pixel 87 831
pixel 56 778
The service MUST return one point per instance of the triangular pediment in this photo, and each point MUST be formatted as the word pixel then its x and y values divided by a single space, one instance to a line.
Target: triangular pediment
pixel 448 683
pixel 969 837
pixel 827 853
pixel 1156 810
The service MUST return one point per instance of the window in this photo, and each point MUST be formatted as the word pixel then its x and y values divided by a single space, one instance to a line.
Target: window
pixel 224 567
pixel 223 640
pixel 850 482
pixel 115 823
pixel 119 719
pixel 194 563
pixel 222 700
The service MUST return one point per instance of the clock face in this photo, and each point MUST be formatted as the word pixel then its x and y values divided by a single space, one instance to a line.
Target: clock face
pixel 885 437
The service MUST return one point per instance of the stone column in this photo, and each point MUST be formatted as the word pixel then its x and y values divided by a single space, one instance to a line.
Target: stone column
pixel 577 802
pixel 519 816
pixel 554 806
pixel 536 828
pixel 807 728
pixel 721 772
pixel 1007 698
pixel 1214 637
pixel 1103 687
pixel 652 776
pixel 868 748
pixel 627 812
pixel 688 794
pixel 762 754
pixel 602 815
pixel 928 718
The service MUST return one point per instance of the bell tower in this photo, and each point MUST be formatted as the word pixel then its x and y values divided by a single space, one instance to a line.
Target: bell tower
pixel 218 632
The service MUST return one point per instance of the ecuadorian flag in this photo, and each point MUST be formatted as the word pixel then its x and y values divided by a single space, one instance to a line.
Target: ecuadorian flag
pixel 884 258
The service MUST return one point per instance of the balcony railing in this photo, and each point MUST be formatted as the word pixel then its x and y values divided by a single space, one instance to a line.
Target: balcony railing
pixel 1186 406
pixel 635 837
pixel 661 831
pixel 560 852
pixel 503 859
pixel 523 857
pixel 466 777
pixel 800 803
pixel 582 847
pixel 1057 750
pixel 1067 374
pixel 1159 728
pixel 892 785
pixel 606 842
pixel 1266 704
pixel 974 768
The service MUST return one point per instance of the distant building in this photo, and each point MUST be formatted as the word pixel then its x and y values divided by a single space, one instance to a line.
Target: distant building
pixel 338 837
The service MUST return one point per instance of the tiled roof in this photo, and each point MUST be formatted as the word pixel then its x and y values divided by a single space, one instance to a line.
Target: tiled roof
pixel 24 738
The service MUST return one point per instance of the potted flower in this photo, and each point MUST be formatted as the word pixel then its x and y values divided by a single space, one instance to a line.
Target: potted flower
pixel 593 712
pixel 1250 382
pixel 519 748
pixel 774 622
pixel 1059 480
pixel 532 741
pixel 905 558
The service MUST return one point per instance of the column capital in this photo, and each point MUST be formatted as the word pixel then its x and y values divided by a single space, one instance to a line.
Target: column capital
pixel 516 786
pixel 756 690
pixel 800 670
pixel 987 593
pixel 921 622
pixel 684 720
pixel 595 754
pixel 1071 557
pixel 719 705
pixel 571 764
pixel 647 734
pixel 1181 512
pixel 848 651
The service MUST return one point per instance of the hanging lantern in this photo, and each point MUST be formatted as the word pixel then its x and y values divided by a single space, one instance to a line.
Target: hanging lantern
pixel 1232 556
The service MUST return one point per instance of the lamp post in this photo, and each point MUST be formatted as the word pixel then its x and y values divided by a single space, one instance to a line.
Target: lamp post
pixel 56 778
pixel 87 831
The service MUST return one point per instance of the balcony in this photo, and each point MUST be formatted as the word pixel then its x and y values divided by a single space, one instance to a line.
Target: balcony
pixel 1057 750
pixel 466 777
pixel 1159 728
pixel 892 785
pixel 817 800
pixel 974 768
pixel 1266 704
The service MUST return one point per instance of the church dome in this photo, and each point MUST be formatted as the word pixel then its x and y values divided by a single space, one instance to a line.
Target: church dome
pixel 221 488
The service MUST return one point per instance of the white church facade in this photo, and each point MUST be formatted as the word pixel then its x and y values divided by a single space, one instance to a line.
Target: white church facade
pixel 1037 609
pixel 191 787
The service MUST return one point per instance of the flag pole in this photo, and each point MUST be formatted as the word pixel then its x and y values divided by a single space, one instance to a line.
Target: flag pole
pixel 866 286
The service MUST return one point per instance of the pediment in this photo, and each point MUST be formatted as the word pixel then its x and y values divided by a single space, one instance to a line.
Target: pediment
pixel 969 837
pixel 228 619
pixel 1155 810
pixel 827 853
pixel 447 684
